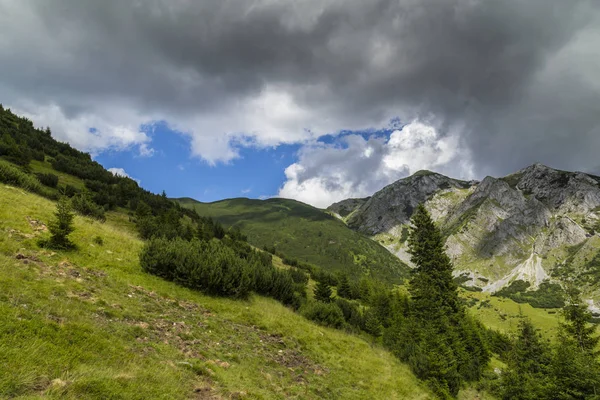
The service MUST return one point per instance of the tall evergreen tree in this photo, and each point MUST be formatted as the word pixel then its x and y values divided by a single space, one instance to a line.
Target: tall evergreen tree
pixel 372 323
pixel 575 373
pixel 575 367
pixel 527 376
pixel 577 323
pixel 432 288
pixel 323 292
pixel 445 346
pixel 344 289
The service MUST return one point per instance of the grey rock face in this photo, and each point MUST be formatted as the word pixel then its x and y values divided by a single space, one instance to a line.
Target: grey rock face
pixel 521 226
pixel 496 219
pixel 394 204
pixel 565 192
pixel 347 207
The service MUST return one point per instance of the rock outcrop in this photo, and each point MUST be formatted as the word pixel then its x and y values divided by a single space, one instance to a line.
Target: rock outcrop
pixel 394 204
pixel 524 226
pixel 345 208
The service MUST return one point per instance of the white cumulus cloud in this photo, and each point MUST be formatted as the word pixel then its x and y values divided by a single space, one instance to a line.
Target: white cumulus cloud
pixel 121 172
pixel 357 166
pixel 116 129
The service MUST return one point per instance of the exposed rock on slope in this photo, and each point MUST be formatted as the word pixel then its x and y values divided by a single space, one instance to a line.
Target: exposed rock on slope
pixel 526 226
pixel 345 208
pixel 394 204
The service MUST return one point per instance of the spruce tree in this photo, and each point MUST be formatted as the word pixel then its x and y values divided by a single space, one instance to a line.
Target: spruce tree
pixel 575 367
pixel 575 374
pixel 62 226
pixel 446 347
pixel 529 365
pixel 323 292
pixel 344 289
pixel 365 290
pixel 578 318
pixel 432 288
pixel 142 210
pixel 372 323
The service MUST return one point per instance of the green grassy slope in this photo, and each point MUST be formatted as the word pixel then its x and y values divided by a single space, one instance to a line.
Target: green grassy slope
pixel 503 314
pixel 306 233
pixel 63 179
pixel 90 324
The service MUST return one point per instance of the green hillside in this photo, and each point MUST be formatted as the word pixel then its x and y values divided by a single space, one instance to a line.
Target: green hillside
pixel 306 233
pixel 90 324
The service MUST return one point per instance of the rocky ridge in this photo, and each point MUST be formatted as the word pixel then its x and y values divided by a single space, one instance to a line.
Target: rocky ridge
pixel 536 225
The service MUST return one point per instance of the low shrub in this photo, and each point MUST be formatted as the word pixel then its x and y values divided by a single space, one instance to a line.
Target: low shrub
pixel 85 206
pixel 13 175
pixel 215 268
pixel 327 314
pixel 548 295
pixel 49 180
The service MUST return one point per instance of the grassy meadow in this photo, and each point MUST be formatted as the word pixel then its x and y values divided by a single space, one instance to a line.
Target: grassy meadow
pixel 89 323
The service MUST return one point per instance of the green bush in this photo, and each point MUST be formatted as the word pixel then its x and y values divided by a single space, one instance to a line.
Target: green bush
pixel 548 295
pixel 85 206
pixel 327 314
pixel 49 180
pixel 61 227
pixel 70 190
pixel 13 175
pixel 351 313
pixel 206 266
pixel 299 276
pixel 215 268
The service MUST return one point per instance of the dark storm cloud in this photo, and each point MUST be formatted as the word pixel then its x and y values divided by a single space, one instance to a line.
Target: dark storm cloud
pixel 514 75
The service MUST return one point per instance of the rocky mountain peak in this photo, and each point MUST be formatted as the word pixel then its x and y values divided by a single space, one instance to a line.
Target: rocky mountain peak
pixel 562 191
pixel 498 230
pixel 394 204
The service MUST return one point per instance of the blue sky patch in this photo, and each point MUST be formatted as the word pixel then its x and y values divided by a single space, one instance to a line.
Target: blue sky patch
pixel 257 173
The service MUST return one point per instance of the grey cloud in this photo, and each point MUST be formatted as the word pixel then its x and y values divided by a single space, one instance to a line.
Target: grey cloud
pixel 490 67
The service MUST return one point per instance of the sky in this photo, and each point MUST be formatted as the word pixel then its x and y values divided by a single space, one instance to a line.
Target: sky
pixel 312 100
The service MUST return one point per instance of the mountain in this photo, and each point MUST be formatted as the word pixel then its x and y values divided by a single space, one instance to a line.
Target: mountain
pixel 306 233
pixel 531 229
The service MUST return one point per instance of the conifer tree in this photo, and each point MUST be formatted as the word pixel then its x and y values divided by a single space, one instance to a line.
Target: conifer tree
pixel 372 323
pixel 529 365
pixel 575 373
pixel 575 367
pixel 142 210
pixel 445 348
pixel 62 226
pixel 432 288
pixel 578 325
pixel 365 290
pixel 323 292
pixel 344 289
